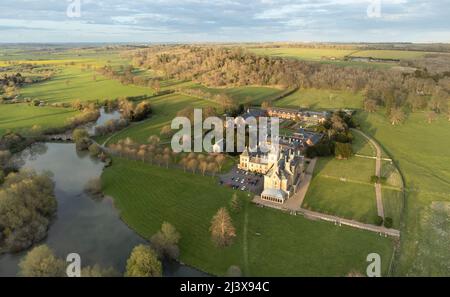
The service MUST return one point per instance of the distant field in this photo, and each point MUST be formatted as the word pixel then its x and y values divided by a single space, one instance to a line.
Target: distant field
pixel 251 94
pixel 311 54
pixel 73 83
pixel 421 151
pixel 148 195
pixel 21 117
pixel 389 54
pixel 322 55
pixel 321 99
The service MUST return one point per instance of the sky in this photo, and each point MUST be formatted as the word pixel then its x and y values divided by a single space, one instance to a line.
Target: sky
pixel 146 21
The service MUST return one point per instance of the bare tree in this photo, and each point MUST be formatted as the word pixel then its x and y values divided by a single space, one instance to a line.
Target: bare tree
pixel 222 229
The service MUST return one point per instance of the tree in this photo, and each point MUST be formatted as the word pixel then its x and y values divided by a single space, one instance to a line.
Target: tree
pixel 220 159
pixel 396 116
pixel 431 116
pixel 166 131
pixel 192 165
pixel 143 262
pixel 222 229
pixel 203 166
pixel 165 241
pixel 41 262
pixel 379 220
pixel 212 167
pixel 77 104
pixel 27 205
pixel 79 134
pixel 388 223
pixel 94 150
pixel 370 105
pixel 235 203
pixel 94 187
pixel 5 156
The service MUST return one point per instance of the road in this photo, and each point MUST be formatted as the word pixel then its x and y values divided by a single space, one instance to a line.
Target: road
pixel 378 191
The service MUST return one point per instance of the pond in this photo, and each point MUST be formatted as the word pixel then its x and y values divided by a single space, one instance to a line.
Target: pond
pixel 105 116
pixel 91 228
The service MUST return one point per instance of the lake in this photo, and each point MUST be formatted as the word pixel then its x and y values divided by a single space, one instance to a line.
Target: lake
pixel 91 228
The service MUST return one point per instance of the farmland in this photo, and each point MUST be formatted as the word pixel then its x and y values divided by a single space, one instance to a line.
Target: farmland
pixel 73 83
pixel 22 117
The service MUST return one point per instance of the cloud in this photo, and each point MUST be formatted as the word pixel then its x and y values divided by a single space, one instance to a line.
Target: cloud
pixel 224 20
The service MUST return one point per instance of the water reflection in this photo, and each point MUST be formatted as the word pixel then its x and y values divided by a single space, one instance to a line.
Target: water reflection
pixel 85 226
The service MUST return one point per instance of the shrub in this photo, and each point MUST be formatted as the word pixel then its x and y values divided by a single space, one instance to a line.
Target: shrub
pixel 379 221
pixel 388 223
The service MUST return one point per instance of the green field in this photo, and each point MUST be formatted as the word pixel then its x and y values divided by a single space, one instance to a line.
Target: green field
pixel 389 54
pixel 73 83
pixel 322 55
pixel 242 95
pixel 421 152
pixel 309 54
pixel 361 146
pixel 268 242
pixel 165 109
pixel 22 117
pixel 343 188
pixel 321 99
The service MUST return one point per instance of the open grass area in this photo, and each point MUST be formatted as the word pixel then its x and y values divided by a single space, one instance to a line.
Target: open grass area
pixel 350 200
pixel 393 205
pixel 421 152
pixel 321 99
pixel 22 117
pixel 72 83
pixel 165 109
pixel 389 54
pixel 254 95
pixel 308 54
pixel 361 146
pixel 268 242
pixel 354 169
pixel 321 55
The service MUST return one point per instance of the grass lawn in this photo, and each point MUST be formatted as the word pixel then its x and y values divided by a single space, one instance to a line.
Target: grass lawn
pixel 321 99
pixel 242 95
pixel 165 109
pixel 393 205
pixel 353 169
pixel 21 117
pixel 361 146
pixel 421 152
pixel 348 200
pixel 268 242
pixel 81 86
pixel 284 245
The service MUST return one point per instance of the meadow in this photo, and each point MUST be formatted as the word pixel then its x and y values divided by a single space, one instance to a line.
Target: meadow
pixel 309 54
pixel 22 117
pixel 321 99
pixel 72 83
pixel 420 150
pixel 164 109
pixel 321 55
pixel 253 95
pixel 148 195
pixel 389 54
